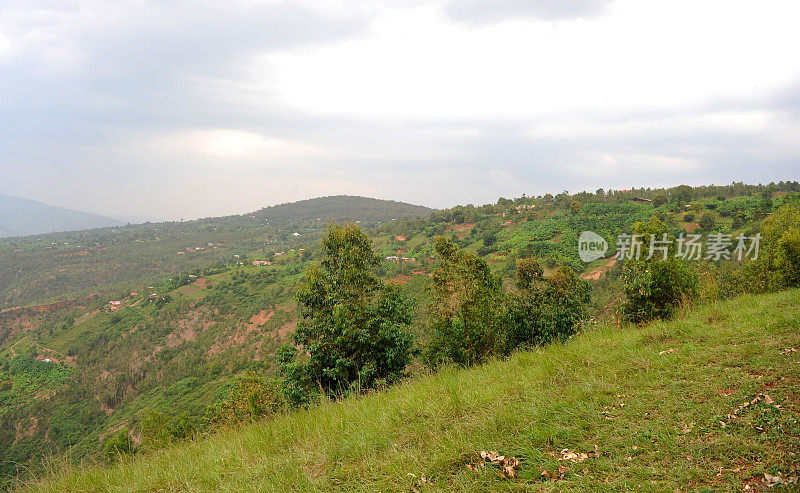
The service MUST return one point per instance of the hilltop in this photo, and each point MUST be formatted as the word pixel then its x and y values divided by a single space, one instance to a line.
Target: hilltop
pixel 658 407
pixel 21 217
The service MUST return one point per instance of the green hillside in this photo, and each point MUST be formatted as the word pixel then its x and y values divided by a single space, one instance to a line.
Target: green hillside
pixel 161 323
pixel 21 217
pixel 60 266
pixel 650 407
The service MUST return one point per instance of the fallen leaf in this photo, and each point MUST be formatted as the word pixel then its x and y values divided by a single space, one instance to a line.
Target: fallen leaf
pixel 566 454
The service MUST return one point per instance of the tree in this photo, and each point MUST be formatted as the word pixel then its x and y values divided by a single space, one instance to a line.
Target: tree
pixel 544 309
pixel 782 238
pixel 353 329
pixel 466 317
pixel 659 200
pixel 575 206
pixel 707 221
pixel 683 193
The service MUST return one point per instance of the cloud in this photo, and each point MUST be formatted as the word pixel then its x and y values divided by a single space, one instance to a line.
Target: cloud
pixel 139 107
pixel 481 12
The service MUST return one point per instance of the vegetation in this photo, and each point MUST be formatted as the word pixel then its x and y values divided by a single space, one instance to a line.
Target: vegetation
pixel 191 345
pixel 353 327
pixel 649 407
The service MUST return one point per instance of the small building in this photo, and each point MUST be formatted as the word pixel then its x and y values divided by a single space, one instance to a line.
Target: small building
pixel 401 238
pixel 401 251
pixel 115 303
pixel 295 234
pixel 262 262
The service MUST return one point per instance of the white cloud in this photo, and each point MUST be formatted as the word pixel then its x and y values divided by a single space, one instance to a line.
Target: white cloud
pixel 235 144
pixel 656 55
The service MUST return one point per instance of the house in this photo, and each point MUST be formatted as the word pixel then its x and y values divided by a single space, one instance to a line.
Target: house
pixel 401 238
pixel 262 262
pixel 115 303
pixel 393 258
pixel 401 251
pixel 295 234
pixel 134 294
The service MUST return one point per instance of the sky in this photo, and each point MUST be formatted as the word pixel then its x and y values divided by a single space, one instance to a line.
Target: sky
pixel 176 109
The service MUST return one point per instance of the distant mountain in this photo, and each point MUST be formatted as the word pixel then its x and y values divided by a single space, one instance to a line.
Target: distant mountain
pixel 343 208
pixel 20 217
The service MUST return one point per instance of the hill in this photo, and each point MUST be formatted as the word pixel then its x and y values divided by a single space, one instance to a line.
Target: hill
pixel 343 208
pixel 659 407
pixel 61 266
pixel 21 217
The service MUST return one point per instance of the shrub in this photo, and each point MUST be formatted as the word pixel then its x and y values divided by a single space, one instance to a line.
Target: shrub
pixel 467 308
pixel 544 310
pixel 655 288
pixel 707 221
pixel 688 217
pixel 252 397
pixel 118 444
pixel 782 243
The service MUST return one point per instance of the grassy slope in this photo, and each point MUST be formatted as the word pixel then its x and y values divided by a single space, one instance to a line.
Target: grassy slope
pixel 666 435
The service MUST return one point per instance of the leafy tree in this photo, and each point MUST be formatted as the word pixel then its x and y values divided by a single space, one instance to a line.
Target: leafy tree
pixel 659 200
pixel 544 309
pixel 688 217
pixel 466 317
pixel 782 238
pixel 575 206
pixel 353 331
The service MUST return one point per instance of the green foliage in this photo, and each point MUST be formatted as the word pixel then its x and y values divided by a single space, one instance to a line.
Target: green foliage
pixel 782 236
pixel 118 444
pixel 544 310
pixel 707 221
pixel 659 200
pixel 656 289
pixel 353 330
pixel 466 319
pixel 252 397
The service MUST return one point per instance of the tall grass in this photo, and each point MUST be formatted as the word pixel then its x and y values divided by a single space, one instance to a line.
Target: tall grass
pixel 650 401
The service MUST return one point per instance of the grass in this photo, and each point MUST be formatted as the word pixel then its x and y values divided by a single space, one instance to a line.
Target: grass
pixel 650 401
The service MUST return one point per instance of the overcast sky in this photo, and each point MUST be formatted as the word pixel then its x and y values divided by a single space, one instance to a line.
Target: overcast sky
pixel 172 109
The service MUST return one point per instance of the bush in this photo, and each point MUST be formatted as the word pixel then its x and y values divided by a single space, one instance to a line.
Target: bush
pixel 252 397
pixel 119 444
pixel 707 221
pixel 782 238
pixel 544 310
pixel 656 289
pixel 688 217
pixel 467 308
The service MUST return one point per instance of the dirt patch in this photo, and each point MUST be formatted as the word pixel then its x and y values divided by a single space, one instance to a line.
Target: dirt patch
pixel 261 317
pixel 458 228
pixel 176 338
pixel 400 279
pixel 286 328
pixel 600 270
